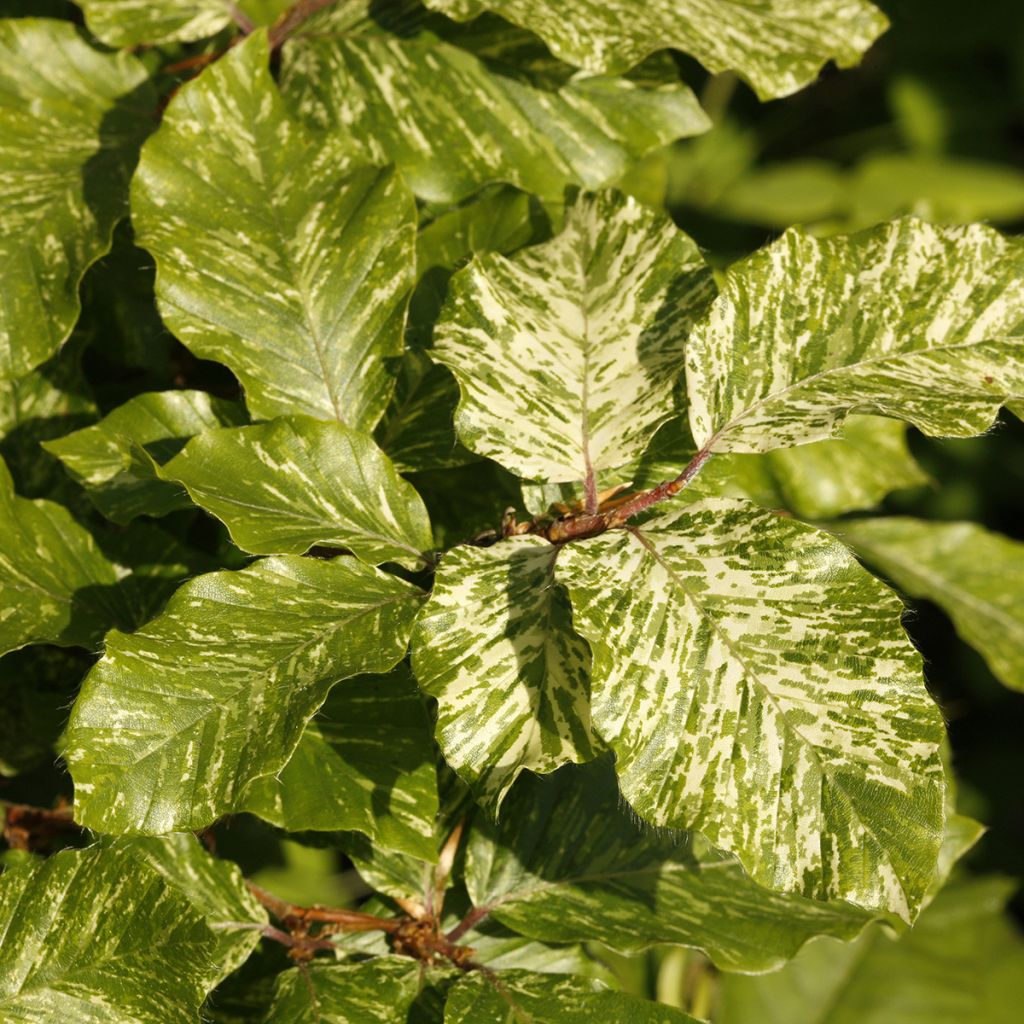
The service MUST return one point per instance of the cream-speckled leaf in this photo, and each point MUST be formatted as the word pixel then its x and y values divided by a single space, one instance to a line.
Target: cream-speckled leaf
pixel 908 320
pixel 179 717
pixel 756 685
pixel 378 991
pixel 975 576
pixel 568 352
pixel 285 486
pixel 146 960
pixel 496 647
pixel 275 253
pixel 71 121
pixel 101 457
pixel 365 763
pixel 55 583
pixel 963 963
pixel 550 999
pixel 215 888
pixel 454 120
pixel 778 46
pixel 570 863
pixel 134 22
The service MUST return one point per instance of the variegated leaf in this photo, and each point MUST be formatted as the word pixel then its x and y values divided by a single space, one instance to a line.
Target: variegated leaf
pixel 567 353
pixel 907 320
pixel 756 685
pixel 146 960
pixel 454 120
pixel 137 22
pixel 569 863
pixel 179 717
pixel 562 998
pixel 275 253
pixel 495 646
pixel 365 763
pixel 283 487
pixel 975 576
pixel 103 457
pixel 778 46
pixel 71 121
pixel 55 583
pixel 963 963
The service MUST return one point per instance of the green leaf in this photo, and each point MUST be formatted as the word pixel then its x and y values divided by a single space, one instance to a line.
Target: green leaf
pixel 963 963
pixel 570 863
pixel 136 22
pixel 366 762
pixel 215 888
pixel 815 481
pixel 567 353
pixel 549 999
pixel 55 583
pixel 275 253
pixel 495 646
pixel 378 991
pixel 756 685
pixel 454 121
pixel 776 45
pixel 975 576
pixel 98 932
pixel 905 320
pixel 179 717
pixel 71 121
pixel 285 486
pixel 103 458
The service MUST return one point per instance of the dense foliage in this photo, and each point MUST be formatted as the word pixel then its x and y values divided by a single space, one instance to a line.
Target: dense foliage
pixel 432 583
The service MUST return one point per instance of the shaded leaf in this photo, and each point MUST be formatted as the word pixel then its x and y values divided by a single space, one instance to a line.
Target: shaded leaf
pixel 285 486
pixel 299 282
pixel 550 999
pixel 495 646
pixel 777 46
pixel 147 962
pixel 365 762
pixel 569 863
pixel 975 576
pixel 567 353
pixel 71 121
pixel 177 718
pixel 756 685
pixel 454 121
pixel 104 458
pixel 906 320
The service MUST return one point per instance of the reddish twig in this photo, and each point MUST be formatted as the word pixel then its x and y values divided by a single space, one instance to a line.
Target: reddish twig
pixel 339 920
pixel 36 828
pixel 292 19
pixel 471 920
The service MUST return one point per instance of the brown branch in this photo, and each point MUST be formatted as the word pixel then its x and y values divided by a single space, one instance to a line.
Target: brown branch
pixel 339 920
pixel 471 920
pixel 291 20
pixel 36 828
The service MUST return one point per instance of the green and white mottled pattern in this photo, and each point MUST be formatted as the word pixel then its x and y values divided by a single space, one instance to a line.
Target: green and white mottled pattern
pixel 570 863
pixel 453 121
pixel 275 253
pixel 908 320
pixel 975 576
pixel 71 121
pixel 365 763
pixel 97 935
pixel 963 963
pixel 778 46
pixel 176 719
pixel 567 353
pixel 495 646
pixel 756 685
pixel 285 486
pixel 539 998
pixel 55 583
pixel 378 991
pixel 214 887
pixel 135 22
pixel 104 460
